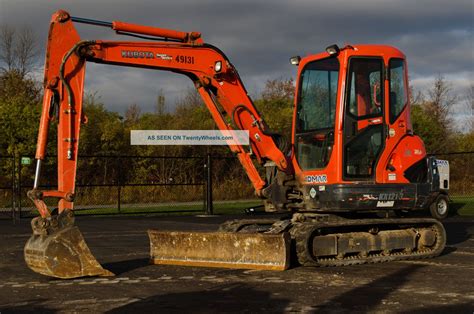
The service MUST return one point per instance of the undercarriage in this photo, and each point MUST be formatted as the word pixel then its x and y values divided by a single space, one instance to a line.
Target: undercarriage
pixel 330 240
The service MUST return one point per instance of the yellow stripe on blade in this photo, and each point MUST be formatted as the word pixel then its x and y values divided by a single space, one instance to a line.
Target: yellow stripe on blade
pixel 221 249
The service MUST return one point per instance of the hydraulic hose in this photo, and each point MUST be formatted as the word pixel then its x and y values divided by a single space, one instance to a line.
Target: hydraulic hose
pixel 69 92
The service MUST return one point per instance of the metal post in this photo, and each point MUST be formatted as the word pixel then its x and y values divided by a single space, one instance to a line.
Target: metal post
pixel 13 188
pixel 204 184
pixel 209 207
pixel 119 188
pixel 19 188
pixel 118 197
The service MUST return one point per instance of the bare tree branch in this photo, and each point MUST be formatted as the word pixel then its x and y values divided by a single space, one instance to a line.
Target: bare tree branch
pixel 469 107
pixel 18 49
pixel 25 50
pixel 440 101
pixel 7 35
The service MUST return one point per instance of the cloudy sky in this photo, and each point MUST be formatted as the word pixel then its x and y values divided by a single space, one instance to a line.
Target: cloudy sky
pixel 260 36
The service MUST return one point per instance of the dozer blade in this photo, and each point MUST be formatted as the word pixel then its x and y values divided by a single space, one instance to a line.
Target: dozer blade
pixel 58 249
pixel 221 249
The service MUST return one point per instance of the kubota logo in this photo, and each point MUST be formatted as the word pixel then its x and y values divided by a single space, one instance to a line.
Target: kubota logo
pixel 137 54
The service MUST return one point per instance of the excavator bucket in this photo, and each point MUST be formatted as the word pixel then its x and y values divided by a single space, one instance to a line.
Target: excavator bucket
pixel 58 249
pixel 221 249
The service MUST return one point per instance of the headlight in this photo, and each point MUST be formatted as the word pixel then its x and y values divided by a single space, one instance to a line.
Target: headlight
pixel 218 66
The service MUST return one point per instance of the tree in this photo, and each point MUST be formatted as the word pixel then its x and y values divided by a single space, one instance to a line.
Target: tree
pixel 19 113
pixel 19 94
pixel 18 50
pixel 132 115
pixel 426 127
pixel 279 89
pixel 440 102
pixel 431 117
pixel 7 47
pixel 104 132
pixel 469 108
pixel 276 105
pixel 160 103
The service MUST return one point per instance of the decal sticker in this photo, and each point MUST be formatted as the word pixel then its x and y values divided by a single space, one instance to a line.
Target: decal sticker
pixel 146 55
pixel 392 177
pixel 441 162
pixel 322 188
pixel 367 197
pixel 385 203
pixel 390 196
pixel 163 56
pixel 417 151
pixel 184 59
pixel 317 178
pixel 137 54
pixel 391 132
pixel 312 192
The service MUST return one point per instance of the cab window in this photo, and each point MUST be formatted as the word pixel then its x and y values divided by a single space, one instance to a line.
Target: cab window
pixel 398 94
pixel 316 109
pixel 365 92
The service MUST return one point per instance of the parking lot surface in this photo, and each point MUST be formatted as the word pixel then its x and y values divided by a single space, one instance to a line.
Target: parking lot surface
pixel 440 285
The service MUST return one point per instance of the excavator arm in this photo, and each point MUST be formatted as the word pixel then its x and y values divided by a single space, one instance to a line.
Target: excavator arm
pixel 57 247
pixel 215 78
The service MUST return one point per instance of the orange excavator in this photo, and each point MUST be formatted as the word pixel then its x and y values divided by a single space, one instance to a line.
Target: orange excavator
pixel 352 158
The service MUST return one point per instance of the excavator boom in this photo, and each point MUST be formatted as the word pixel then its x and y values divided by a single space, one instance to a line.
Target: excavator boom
pixel 61 251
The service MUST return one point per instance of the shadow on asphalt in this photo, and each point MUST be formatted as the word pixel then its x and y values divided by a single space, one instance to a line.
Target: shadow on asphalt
pixel 369 296
pixel 454 208
pixel 28 306
pixel 448 250
pixel 233 298
pixel 457 231
pixel 121 267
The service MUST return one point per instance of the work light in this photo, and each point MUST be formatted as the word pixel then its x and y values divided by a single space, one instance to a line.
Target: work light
pixel 295 60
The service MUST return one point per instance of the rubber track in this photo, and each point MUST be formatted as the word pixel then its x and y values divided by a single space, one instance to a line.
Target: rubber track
pixel 300 233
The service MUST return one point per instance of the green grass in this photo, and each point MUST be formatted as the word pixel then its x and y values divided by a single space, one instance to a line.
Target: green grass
pixel 220 208
pixel 463 205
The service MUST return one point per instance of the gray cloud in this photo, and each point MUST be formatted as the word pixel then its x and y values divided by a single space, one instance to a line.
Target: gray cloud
pixel 260 36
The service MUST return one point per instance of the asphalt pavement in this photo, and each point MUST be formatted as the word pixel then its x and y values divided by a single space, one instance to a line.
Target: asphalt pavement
pixel 439 285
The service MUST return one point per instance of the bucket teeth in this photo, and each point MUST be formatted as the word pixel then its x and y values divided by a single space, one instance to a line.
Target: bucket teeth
pixel 58 249
pixel 221 249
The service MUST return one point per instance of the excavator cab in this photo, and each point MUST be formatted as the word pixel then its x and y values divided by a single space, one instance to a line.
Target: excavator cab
pixel 354 147
pixel 352 150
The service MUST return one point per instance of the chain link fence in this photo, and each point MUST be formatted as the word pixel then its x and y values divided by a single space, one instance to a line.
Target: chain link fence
pixel 166 184
pixel 7 187
pixel 125 184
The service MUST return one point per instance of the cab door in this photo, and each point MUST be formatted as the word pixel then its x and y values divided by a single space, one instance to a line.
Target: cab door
pixel 397 125
pixel 363 119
